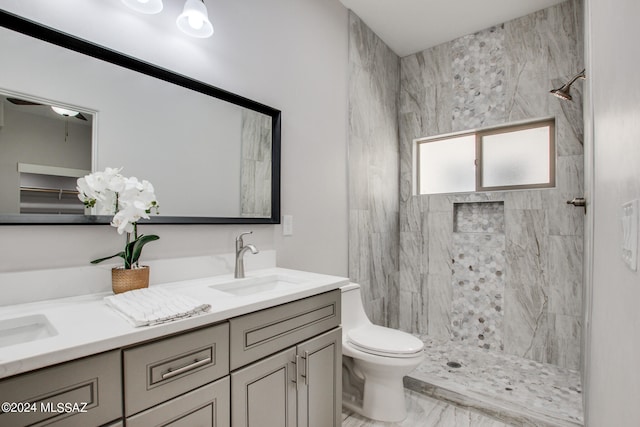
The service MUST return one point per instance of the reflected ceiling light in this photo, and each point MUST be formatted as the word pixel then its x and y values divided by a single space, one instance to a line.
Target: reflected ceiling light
pixel 64 111
pixel 144 6
pixel 194 19
pixel 563 91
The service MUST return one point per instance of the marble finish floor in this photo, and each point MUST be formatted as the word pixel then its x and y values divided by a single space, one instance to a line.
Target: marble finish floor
pixel 424 411
pixel 515 390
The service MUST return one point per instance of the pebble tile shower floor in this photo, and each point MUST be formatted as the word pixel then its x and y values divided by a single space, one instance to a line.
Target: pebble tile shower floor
pixel 519 392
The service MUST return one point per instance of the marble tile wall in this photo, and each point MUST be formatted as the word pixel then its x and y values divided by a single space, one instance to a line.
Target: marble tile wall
pixel 255 176
pixel 487 217
pixel 500 75
pixel 374 84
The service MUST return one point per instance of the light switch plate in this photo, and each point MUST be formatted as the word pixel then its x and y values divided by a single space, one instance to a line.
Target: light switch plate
pixel 287 225
pixel 630 234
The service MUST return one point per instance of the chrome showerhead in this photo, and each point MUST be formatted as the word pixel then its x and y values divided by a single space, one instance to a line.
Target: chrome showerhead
pixel 563 91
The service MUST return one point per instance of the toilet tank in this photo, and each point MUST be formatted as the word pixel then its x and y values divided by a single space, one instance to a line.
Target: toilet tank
pixel 353 314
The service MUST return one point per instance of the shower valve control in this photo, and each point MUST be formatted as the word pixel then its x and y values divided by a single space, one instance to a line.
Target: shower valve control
pixel 578 201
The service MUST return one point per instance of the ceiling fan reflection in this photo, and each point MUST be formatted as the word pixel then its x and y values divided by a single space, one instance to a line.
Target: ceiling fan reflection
pixel 59 110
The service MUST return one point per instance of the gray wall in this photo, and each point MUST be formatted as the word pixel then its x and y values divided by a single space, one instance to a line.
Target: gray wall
pixel 612 386
pixel 374 79
pixel 517 290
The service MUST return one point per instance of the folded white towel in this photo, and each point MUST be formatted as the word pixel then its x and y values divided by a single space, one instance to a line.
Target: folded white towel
pixel 150 306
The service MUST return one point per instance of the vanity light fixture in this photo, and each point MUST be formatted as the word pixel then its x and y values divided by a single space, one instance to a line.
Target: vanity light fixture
pixel 194 19
pixel 149 7
pixel 64 111
pixel 563 91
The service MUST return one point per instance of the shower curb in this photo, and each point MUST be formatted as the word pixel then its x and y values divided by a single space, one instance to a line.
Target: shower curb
pixel 506 412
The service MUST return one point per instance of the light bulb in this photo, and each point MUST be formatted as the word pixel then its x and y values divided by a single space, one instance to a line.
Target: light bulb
pixel 195 21
pixel 64 111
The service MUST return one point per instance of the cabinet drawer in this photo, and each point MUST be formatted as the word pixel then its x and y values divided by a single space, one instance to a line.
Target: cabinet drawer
pixel 206 406
pixel 161 370
pixel 84 392
pixel 259 334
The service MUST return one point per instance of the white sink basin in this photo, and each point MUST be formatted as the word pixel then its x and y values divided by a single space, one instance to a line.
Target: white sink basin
pixel 19 330
pixel 258 285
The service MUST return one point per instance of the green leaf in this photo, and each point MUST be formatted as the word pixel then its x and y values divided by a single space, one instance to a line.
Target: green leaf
pixel 96 261
pixel 137 245
pixel 127 254
pixel 132 251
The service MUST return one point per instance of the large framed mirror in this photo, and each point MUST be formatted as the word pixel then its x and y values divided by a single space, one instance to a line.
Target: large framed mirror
pixel 212 156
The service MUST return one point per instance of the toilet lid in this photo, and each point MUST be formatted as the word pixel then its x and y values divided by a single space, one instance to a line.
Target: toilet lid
pixel 384 341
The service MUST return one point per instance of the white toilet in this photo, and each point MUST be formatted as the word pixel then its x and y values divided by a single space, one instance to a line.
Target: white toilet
pixel 379 356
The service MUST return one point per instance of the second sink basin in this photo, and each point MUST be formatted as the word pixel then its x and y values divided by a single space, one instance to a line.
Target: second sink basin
pixel 257 285
pixel 19 330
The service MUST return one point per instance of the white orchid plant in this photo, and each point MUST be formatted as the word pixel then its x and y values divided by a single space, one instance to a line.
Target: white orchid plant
pixel 128 200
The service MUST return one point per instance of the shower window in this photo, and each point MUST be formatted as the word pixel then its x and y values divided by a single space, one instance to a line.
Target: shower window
pixel 500 158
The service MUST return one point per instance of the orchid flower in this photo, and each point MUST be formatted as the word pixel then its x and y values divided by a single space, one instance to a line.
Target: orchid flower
pixel 127 199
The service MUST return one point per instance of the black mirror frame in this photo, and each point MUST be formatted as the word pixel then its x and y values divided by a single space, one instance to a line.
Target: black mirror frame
pixel 49 35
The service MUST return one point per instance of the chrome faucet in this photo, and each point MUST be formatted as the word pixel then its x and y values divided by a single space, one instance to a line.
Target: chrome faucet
pixel 241 248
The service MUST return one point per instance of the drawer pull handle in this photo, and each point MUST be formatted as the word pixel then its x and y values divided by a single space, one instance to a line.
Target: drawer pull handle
pixel 196 364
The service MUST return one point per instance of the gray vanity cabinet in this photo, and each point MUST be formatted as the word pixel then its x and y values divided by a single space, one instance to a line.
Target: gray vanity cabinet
pixel 80 393
pixel 207 406
pixel 319 381
pixel 296 387
pixel 177 381
pixel 277 367
pixel 300 385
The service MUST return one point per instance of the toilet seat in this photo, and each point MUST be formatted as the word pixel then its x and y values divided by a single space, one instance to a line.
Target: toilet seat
pixel 383 341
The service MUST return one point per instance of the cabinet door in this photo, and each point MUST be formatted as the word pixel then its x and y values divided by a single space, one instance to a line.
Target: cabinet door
pixel 207 406
pixel 319 380
pixel 263 394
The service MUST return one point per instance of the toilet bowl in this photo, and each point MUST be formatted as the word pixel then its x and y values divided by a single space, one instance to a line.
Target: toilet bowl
pixel 378 356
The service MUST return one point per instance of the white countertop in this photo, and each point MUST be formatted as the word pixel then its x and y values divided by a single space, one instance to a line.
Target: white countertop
pixel 85 325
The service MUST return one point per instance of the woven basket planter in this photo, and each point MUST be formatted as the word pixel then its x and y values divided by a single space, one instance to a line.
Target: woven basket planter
pixel 127 280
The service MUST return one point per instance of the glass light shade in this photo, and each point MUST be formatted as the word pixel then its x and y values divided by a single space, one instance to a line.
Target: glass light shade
pixel 149 7
pixel 194 19
pixel 64 111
